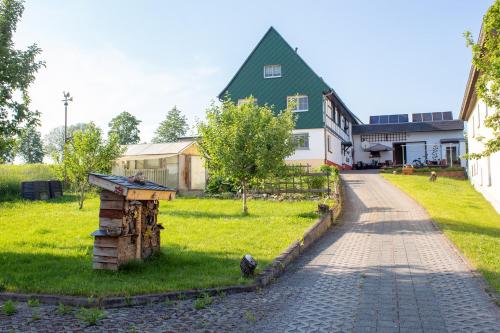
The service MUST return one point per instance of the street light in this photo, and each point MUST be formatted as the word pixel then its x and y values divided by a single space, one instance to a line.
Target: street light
pixel 66 99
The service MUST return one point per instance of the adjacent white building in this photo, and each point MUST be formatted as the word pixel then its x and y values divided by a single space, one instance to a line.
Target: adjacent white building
pixel 430 138
pixel 483 173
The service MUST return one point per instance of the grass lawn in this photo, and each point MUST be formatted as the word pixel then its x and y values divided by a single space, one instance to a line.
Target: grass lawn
pixel 46 247
pixel 463 215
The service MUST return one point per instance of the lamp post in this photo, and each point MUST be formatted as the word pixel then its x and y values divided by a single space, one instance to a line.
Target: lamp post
pixel 66 99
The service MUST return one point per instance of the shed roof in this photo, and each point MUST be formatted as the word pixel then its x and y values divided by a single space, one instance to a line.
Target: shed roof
pixel 123 181
pixel 431 126
pixel 170 148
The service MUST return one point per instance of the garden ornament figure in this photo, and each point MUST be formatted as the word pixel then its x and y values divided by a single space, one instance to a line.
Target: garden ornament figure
pixel 248 265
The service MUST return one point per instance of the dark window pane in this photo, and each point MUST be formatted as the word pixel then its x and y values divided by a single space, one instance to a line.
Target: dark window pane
pixel 384 119
pixel 374 120
pixel 427 116
pixel 393 119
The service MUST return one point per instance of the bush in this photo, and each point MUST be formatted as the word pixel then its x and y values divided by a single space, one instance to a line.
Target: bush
pixel 11 177
pixel 219 185
pixel 203 301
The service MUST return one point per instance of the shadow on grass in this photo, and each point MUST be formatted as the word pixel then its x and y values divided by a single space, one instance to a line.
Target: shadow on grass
pixel 66 198
pixel 175 268
pixel 204 215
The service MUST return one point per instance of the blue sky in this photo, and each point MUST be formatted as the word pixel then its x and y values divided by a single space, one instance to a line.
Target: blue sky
pixel 381 57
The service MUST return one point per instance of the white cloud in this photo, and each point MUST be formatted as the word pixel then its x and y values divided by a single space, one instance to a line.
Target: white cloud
pixel 104 82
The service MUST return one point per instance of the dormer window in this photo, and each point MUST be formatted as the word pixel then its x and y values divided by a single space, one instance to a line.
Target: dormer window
pixel 272 71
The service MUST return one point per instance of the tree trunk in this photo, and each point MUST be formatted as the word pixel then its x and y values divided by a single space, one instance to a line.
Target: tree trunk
pixel 82 196
pixel 244 196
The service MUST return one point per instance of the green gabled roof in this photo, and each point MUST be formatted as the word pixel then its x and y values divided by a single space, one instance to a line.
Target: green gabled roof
pixel 297 77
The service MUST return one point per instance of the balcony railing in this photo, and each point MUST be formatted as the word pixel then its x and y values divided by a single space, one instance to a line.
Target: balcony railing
pixel 336 129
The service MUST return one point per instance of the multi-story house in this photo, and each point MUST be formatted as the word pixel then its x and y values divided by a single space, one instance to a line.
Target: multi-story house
pixel 275 74
pixel 483 173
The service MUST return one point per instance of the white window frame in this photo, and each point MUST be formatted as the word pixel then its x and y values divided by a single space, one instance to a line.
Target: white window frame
pixel 329 143
pixel 297 104
pixel 273 73
pixel 306 140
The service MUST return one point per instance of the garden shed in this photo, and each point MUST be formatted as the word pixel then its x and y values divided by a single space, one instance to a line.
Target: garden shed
pixel 173 164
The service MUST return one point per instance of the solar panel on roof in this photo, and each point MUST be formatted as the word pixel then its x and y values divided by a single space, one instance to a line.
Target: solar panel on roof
pixel 427 116
pixel 374 119
pixel 437 116
pixel 393 119
pixel 416 117
pixel 384 119
pixel 447 115
pixel 403 118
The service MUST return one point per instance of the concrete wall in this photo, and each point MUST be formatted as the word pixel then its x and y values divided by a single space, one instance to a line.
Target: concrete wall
pixel 484 173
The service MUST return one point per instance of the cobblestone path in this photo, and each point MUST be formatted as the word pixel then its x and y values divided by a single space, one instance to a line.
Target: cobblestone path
pixel 385 269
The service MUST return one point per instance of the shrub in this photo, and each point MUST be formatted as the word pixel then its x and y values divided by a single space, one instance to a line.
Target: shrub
pixel 219 185
pixel 33 303
pixel 64 309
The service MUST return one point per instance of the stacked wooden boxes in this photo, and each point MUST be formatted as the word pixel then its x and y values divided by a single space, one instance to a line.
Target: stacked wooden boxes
pixel 128 227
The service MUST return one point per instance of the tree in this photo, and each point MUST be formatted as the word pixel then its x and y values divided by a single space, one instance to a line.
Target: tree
pixel 30 145
pixel 486 60
pixel 173 127
pixel 17 72
pixel 88 152
pixel 126 127
pixel 245 143
pixel 54 140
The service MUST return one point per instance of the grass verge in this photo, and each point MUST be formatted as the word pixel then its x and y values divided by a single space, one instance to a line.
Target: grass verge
pixel 46 247
pixel 465 217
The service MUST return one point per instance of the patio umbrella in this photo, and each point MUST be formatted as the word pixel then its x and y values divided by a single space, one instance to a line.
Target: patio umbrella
pixel 378 147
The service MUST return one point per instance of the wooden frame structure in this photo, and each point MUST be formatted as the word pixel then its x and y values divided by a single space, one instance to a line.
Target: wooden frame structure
pixel 128 225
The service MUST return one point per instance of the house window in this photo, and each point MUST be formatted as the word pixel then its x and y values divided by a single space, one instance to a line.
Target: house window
pixel 301 141
pixel 336 116
pixel 301 103
pixel 242 101
pixel 329 144
pixel 272 71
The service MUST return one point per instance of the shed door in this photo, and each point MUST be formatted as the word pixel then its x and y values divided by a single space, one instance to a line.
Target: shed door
pixel 197 173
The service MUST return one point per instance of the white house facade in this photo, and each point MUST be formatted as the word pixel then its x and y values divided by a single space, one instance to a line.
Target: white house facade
pixel 428 139
pixel 484 173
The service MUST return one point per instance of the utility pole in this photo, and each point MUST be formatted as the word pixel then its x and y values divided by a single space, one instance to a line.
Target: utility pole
pixel 66 99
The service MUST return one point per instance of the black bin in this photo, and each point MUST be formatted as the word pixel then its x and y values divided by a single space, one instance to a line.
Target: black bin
pixel 55 187
pixel 35 190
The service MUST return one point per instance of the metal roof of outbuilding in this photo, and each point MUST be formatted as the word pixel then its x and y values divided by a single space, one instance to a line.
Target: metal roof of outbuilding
pixel 431 126
pixel 169 148
pixel 124 182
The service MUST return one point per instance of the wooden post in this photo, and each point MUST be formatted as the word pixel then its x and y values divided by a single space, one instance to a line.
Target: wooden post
pixel 138 230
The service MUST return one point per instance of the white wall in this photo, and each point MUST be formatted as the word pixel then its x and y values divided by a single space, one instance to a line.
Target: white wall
pixel 414 151
pixel 315 155
pixel 484 173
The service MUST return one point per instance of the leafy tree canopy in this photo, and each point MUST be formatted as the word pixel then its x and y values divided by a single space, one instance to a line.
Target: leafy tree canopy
pixel 88 152
pixel 126 127
pixel 246 142
pixel 174 126
pixel 486 59
pixel 30 146
pixel 54 140
pixel 17 73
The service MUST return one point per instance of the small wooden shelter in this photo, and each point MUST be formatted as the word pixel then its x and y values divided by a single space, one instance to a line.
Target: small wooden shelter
pixel 128 227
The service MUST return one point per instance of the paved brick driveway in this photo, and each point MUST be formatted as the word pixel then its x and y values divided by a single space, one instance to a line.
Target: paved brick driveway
pixel 386 269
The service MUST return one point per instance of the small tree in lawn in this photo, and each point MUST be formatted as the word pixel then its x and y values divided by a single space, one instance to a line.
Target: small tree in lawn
pixel 486 60
pixel 126 127
pixel 173 127
pixel 88 152
pixel 245 142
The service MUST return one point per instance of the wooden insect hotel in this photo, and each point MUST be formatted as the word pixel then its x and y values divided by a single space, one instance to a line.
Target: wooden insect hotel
pixel 128 219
